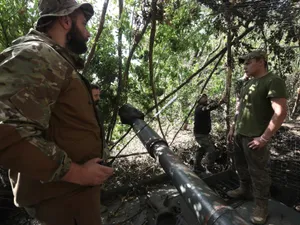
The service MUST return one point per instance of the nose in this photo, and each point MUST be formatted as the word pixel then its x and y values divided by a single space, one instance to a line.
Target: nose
pixel 88 35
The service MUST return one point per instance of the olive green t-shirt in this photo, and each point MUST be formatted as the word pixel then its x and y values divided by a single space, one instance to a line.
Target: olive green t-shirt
pixel 255 110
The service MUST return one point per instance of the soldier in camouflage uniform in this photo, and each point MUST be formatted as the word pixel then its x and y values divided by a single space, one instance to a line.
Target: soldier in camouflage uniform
pixel 50 139
pixel 261 112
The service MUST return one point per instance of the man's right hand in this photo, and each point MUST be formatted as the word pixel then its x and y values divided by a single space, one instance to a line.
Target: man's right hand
pixel 223 100
pixel 89 174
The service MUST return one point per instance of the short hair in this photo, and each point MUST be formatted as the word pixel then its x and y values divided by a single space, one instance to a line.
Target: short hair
pixel 203 96
pixel 94 86
pixel 45 24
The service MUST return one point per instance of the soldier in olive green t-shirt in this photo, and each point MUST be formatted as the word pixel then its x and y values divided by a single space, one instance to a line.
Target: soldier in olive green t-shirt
pixel 255 109
pixel 262 109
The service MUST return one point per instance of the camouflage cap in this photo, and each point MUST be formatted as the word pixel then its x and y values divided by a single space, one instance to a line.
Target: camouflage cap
pixel 63 8
pixel 258 54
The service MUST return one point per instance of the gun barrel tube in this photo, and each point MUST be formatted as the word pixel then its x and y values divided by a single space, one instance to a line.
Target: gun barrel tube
pixel 209 208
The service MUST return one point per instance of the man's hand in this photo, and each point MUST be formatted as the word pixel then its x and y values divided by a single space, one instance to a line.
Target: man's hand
pixel 230 135
pixel 89 174
pixel 257 143
pixel 223 100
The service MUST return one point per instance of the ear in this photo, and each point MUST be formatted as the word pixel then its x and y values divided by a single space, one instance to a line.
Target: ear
pixel 262 62
pixel 65 22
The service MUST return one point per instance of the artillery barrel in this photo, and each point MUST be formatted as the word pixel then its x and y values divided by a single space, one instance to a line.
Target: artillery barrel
pixel 209 208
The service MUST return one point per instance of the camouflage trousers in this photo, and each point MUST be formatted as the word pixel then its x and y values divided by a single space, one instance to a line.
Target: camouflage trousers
pixel 252 166
pixel 206 149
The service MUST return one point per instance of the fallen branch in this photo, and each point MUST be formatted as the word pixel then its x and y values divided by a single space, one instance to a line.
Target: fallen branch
pixel 124 156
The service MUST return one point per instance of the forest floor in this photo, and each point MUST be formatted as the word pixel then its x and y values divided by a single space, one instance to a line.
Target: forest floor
pixel 132 170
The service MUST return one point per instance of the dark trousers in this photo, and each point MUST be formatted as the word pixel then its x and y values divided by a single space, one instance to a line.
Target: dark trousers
pixel 252 166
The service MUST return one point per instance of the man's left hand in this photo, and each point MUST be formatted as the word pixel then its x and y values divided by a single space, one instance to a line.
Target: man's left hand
pixel 256 143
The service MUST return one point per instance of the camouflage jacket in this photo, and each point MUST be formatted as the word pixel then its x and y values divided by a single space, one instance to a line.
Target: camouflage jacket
pixel 47 117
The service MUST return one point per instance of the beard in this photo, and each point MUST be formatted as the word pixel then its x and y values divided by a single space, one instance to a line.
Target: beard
pixel 75 40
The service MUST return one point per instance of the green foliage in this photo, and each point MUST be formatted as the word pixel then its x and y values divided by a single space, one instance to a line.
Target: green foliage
pixel 17 17
pixel 188 34
pixel 103 70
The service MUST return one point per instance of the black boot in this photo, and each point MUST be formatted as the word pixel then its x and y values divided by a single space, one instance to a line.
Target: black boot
pixel 199 169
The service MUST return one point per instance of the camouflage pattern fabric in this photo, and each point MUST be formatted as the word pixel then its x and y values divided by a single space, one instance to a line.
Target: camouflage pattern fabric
pixel 256 54
pixel 207 148
pixel 209 107
pixel 253 165
pixel 62 8
pixel 31 77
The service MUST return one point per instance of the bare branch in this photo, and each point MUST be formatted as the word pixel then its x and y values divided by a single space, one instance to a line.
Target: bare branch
pixel 100 29
pixel 136 43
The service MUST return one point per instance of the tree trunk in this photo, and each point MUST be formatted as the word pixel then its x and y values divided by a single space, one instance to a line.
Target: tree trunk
pixel 296 105
pixel 228 18
pixel 151 46
pixel 4 32
pixel 134 46
pixel 100 29
pixel 120 82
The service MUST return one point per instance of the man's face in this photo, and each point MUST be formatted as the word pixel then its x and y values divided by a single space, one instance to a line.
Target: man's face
pixel 78 35
pixel 253 66
pixel 96 95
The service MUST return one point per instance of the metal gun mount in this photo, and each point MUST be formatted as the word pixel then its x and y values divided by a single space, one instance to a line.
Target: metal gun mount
pixel 207 207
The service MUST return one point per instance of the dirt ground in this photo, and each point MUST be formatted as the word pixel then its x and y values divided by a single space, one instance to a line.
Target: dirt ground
pixel 130 171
